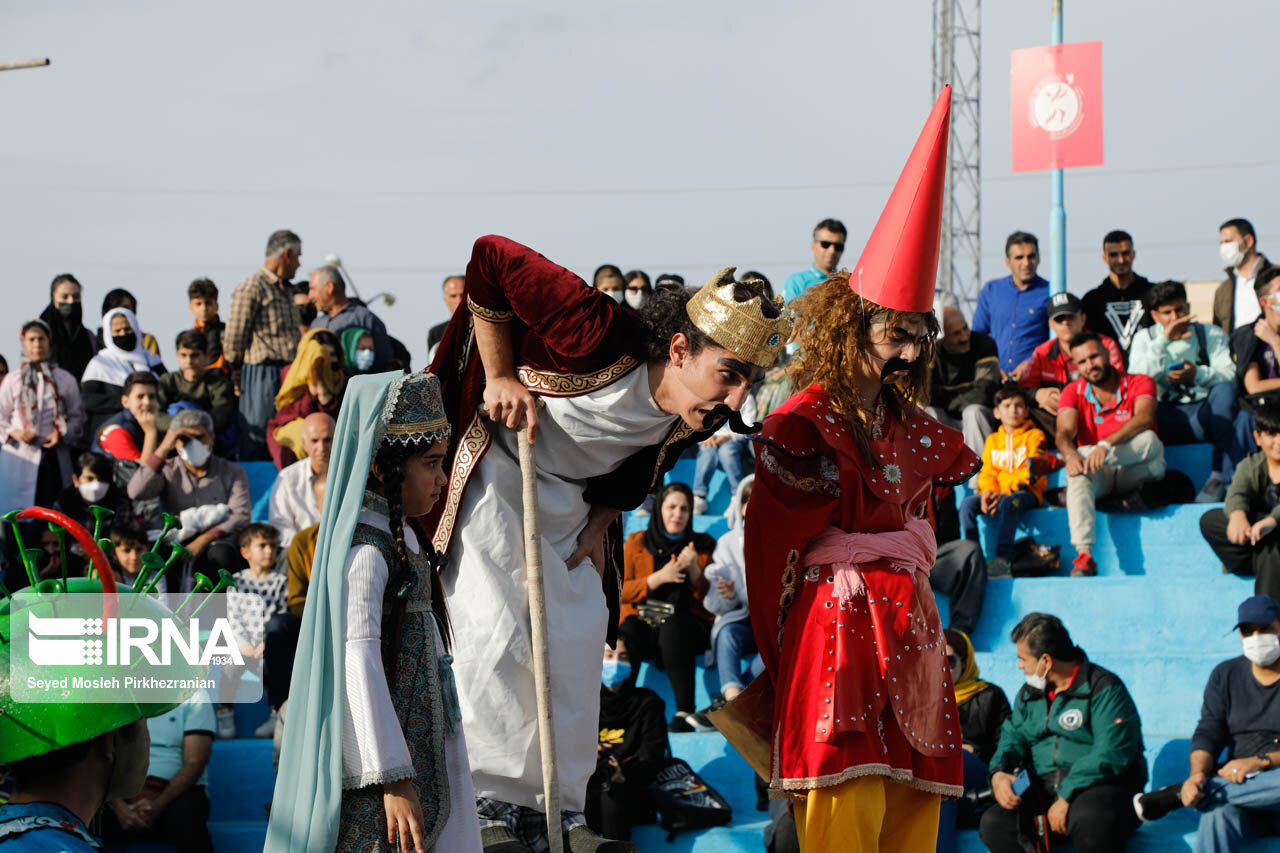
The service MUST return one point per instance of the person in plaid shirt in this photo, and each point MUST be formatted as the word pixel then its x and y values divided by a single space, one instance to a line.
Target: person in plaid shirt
pixel 261 337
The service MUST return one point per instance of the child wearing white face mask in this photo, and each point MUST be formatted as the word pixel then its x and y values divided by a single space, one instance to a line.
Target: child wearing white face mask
pixel 92 484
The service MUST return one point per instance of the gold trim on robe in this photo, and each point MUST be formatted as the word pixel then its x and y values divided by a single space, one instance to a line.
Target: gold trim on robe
pixel 550 384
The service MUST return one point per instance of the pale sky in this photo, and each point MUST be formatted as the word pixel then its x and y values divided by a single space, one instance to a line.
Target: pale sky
pixel 167 140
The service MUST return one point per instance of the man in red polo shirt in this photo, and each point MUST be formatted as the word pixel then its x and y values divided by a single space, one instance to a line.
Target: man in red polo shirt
pixel 1106 435
pixel 1051 367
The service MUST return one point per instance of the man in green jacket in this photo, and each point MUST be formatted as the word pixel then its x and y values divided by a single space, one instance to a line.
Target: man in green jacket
pixel 1075 732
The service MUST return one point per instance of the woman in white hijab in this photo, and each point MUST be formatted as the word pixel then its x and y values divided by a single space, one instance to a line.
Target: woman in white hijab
pixel 102 384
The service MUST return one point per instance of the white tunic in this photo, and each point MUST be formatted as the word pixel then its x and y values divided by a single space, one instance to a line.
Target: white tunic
pixel 578 438
pixel 373 744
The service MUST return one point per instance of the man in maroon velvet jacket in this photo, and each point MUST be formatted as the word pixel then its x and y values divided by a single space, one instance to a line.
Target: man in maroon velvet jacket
pixel 624 393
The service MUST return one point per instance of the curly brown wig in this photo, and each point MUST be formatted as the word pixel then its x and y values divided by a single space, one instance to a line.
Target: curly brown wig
pixel 832 325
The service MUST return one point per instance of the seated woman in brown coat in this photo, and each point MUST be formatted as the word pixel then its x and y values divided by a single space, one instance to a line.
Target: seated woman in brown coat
pixel 662 590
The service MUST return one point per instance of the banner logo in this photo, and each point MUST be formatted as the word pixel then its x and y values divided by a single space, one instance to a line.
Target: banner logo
pixel 131 647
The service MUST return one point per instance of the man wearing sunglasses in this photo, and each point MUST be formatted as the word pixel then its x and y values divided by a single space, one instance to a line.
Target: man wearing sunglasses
pixel 828 245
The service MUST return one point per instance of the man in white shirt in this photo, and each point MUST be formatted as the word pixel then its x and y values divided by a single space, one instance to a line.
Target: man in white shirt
pixel 1234 302
pixel 293 504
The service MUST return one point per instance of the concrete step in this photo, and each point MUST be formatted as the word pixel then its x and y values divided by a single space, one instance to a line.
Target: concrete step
pixel 1135 615
pixel 1165 542
pixel 238 836
pixel 240 771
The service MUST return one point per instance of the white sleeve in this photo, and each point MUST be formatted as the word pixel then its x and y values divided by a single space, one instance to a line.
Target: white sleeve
pixel 280 513
pixel 373 746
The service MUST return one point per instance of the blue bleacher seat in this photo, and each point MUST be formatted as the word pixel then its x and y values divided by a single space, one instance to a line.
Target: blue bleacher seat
pixel 262 476
pixel 1159 616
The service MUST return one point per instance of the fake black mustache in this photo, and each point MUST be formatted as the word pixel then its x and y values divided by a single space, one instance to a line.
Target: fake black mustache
pixel 892 366
pixel 721 413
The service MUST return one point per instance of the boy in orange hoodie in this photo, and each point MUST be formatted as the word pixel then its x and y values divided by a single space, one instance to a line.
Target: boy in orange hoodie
pixel 1011 479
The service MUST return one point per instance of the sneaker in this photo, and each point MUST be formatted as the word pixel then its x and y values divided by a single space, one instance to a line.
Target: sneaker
pixel 699 505
pixel 226 725
pixel 1083 566
pixel 999 567
pixel 1213 491
pixel 680 725
pixel 698 720
pixel 268 727
pixel 1158 803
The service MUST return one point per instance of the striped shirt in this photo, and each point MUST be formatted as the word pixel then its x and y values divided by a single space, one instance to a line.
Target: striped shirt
pixel 263 325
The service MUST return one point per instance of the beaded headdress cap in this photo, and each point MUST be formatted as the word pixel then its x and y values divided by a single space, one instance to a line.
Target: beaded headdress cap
pixel 413 412
pixel 740 327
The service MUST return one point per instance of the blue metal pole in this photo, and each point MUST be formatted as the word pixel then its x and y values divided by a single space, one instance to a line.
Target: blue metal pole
pixel 1057 211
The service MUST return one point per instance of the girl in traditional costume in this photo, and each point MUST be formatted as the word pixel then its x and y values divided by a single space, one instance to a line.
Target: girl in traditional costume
pixel 374 756
pixel 865 733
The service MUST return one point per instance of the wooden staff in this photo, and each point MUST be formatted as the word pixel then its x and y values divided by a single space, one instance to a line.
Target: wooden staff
pixel 541 646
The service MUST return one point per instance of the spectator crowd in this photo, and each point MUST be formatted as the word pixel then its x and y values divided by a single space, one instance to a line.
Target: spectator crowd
pixel 1069 400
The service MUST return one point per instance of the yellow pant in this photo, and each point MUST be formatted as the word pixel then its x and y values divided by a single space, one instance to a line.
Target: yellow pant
pixel 868 814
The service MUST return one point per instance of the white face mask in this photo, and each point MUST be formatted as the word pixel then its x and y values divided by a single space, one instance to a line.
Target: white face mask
pixel 636 298
pixel 1232 253
pixel 1039 682
pixel 194 452
pixel 93 491
pixel 616 295
pixel 364 359
pixel 1261 648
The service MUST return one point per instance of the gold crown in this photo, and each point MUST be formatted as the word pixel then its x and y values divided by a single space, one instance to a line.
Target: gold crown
pixel 740 327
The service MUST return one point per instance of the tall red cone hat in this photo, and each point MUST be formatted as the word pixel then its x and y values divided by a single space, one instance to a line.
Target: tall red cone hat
pixel 899 264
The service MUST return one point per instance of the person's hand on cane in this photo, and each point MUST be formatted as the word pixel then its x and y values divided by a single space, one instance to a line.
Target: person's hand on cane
pixel 508 402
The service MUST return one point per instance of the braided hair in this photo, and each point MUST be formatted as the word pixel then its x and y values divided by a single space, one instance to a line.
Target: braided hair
pixel 391 460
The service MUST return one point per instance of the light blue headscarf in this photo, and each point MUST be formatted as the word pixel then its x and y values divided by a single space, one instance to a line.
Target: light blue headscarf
pixel 308 796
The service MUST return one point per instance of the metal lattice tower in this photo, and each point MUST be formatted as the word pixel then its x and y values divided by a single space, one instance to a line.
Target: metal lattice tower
pixel 957 59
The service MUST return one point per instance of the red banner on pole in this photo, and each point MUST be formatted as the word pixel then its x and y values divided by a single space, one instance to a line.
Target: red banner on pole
pixel 1056 106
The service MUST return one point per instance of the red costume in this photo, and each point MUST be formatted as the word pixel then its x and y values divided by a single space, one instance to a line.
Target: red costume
pixel 838 557
pixel 838 715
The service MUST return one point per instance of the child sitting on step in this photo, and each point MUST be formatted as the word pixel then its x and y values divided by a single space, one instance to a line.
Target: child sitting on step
pixel 1011 480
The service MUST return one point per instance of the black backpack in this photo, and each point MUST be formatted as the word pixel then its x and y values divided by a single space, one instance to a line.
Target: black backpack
pixel 685 801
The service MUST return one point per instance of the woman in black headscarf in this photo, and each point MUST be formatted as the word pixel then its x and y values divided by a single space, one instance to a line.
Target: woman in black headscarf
pixel 633 743
pixel 662 589
pixel 72 345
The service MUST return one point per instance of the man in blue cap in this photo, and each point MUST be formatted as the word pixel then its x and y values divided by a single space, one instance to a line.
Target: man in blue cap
pixel 1241 713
